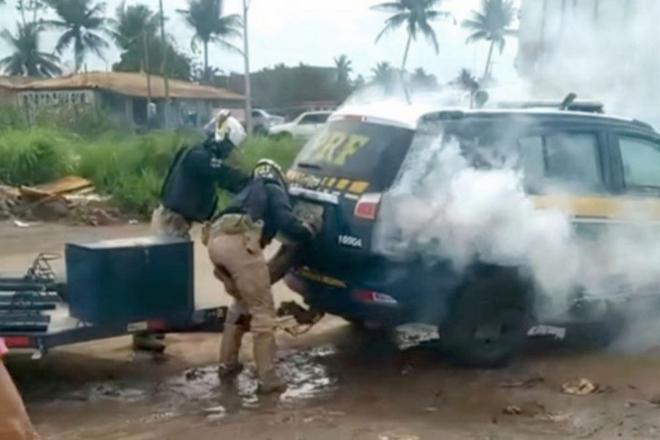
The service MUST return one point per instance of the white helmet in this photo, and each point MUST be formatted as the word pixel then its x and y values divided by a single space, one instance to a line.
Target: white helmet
pixel 232 130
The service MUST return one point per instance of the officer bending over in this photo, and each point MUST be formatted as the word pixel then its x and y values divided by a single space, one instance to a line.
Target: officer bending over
pixel 237 239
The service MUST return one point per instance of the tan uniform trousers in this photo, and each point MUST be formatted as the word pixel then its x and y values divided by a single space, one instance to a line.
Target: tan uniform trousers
pixel 169 223
pixel 14 421
pixel 243 269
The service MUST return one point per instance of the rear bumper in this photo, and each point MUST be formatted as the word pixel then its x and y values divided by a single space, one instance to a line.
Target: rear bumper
pixel 389 294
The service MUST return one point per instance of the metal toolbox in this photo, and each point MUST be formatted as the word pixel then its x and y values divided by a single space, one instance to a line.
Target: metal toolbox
pixel 129 280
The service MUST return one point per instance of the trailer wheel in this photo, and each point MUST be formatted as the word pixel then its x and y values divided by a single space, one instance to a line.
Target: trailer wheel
pixel 489 322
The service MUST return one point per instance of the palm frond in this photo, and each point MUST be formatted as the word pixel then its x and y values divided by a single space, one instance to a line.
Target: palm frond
pixel 477 36
pixel 435 15
pixel 389 7
pixel 65 40
pixel 429 34
pixel 391 24
pixel 226 45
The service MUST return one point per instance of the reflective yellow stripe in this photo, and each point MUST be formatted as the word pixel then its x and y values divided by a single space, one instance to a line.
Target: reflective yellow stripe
pixel 620 208
pixel 306 272
pixel 358 187
pixel 343 184
pixel 330 183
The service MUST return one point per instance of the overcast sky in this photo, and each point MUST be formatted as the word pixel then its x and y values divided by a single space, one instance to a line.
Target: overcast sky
pixel 315 32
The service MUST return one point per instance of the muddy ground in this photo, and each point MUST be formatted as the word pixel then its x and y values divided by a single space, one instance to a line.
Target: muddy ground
pixel 344 384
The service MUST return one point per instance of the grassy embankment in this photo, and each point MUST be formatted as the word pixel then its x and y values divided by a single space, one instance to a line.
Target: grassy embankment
pixel 129 167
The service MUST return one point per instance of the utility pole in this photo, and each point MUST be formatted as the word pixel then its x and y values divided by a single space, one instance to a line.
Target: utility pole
pixel 163 67
pixel 246 57
pixel 145 65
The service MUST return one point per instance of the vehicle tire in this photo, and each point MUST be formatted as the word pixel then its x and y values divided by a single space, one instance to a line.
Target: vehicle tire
pixel 488 322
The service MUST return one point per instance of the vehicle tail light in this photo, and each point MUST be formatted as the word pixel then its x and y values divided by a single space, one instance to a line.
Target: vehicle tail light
pixel 18 342
pixel 156 325
pixel 367 206
pixel 371 297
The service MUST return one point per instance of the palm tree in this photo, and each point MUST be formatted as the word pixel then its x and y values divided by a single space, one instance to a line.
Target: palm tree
pixel 82 22
pixel 421 78
pixel 416 15
pixel 382 73
pixel 210 26
pixel 491 23
pixel 344 69
pixel 132 24
pixel 27 59
pixel 466 81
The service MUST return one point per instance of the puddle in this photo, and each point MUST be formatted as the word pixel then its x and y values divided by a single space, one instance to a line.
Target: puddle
pixel 306 375
pixel 198 392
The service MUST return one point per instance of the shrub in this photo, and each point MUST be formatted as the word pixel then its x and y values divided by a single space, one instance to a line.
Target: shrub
pixel 129 167
pixel 30 157
pixel 282 150
pixel 12 116
pixel 85 120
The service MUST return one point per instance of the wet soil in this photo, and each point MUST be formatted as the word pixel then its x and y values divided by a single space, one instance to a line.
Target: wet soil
pixel 343 383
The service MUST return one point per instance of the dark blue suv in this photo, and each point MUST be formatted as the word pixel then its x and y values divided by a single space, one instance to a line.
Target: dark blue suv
pixel 484 312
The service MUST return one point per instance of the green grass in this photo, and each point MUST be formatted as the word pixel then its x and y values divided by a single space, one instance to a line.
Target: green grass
pixel 128 167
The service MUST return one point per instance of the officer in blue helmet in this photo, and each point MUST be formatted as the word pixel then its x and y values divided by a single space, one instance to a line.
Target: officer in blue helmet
pixel 238 236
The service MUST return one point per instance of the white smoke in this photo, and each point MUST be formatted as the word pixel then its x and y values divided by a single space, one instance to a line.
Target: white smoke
pixel 442 207
pixel 600 49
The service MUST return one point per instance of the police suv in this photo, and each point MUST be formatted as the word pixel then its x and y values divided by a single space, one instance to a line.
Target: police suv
pixel 484 314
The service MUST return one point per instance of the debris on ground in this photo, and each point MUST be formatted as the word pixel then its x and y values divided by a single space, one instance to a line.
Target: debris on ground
pixel 411 335
pixel 71 198
pixel 532 409
pixel 215 413
pixel 394 436
pixel 20 224
pixel 580 387
pixel 526 383
pixel 512 410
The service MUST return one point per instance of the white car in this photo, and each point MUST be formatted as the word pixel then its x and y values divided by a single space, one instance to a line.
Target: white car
pixel 262 121
pixel 303 127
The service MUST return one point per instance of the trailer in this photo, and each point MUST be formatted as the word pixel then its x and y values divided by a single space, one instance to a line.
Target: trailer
pixel 109 288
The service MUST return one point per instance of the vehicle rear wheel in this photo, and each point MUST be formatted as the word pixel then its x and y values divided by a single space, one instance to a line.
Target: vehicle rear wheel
pixel 489 322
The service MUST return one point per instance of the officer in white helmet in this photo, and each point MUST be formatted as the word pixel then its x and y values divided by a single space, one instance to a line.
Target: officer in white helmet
pixel 189 192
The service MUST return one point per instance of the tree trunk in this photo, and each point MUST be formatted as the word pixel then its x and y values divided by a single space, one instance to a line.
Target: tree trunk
pixel 206 62
pixel 488 61
pixel 163 67
pixel 405 54
pixel 596 10
pixel 146 66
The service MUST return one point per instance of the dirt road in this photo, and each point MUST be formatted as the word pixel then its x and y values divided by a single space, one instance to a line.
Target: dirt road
pixel 343 384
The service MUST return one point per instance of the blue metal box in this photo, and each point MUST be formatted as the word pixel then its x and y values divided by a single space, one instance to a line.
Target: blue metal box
pixel 129 280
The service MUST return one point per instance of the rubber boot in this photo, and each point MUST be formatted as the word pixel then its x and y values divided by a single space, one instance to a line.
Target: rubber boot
pixel 232 336
pixel 264 357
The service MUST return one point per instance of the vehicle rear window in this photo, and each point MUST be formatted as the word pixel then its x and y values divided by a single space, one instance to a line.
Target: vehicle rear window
pixel 357 150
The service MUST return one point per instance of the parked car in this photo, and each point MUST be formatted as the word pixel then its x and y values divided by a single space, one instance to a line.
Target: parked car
pixel 262 121
pixel 303 127
pixel 483 314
